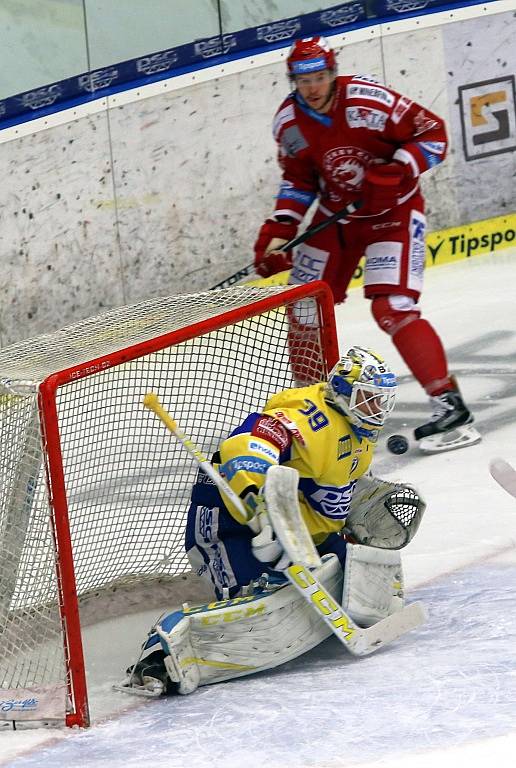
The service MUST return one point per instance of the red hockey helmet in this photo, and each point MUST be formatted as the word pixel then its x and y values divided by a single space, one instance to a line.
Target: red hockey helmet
pixel 311 54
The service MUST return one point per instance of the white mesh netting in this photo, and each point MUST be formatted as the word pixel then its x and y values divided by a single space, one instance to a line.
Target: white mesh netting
pixel 127 480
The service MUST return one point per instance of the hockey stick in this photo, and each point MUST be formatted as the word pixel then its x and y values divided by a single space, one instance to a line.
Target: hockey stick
pixel 358 641
pixel 249 269
pixel 285 523
pixel 504 474
pixel 152 402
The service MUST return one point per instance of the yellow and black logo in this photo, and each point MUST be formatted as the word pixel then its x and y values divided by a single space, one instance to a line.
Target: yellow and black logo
pixel 488 115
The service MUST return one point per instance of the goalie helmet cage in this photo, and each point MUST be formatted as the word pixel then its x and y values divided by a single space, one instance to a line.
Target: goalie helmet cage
pixel 94 491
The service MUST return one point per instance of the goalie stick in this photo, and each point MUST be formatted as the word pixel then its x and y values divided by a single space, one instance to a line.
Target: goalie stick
pixel 504 474
pixel 249 269
pixel 357 640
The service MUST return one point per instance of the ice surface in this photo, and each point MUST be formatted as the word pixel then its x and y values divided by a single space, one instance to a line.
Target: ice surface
pixel 442 696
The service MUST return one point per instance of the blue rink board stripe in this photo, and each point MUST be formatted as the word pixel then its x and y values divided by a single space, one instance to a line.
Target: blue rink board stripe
pixel 215 51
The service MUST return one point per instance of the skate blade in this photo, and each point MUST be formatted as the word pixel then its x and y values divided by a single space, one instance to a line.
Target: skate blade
pixel 460 437
pixel 149 691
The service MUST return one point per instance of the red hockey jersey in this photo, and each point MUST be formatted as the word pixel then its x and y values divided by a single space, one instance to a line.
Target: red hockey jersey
pixel 326 156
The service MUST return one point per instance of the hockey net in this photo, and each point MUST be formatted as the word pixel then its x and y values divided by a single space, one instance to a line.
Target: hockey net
pixel 94 491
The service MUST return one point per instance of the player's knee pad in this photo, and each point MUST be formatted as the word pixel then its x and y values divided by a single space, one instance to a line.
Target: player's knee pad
pixel 373 583
pixel 392 313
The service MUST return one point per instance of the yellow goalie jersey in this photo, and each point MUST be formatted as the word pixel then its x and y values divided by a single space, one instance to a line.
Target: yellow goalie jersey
pixel 299 429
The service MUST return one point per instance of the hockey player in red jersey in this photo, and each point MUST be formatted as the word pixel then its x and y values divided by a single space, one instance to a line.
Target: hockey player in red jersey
pixel 347 139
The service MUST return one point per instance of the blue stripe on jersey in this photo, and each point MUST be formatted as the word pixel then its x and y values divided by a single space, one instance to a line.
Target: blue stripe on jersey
pixel 246 425
pixel 328 500
pixel 431 158
pixel 244 464
pixel 288 192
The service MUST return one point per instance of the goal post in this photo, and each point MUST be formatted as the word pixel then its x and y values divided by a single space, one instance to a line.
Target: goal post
pixel 94 494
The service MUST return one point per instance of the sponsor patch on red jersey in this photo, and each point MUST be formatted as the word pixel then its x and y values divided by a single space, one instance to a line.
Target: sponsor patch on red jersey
pixel 291 426
pixel 270 429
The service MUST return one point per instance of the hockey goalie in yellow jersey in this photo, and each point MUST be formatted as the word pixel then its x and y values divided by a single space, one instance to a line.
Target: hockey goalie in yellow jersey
pixel 327 433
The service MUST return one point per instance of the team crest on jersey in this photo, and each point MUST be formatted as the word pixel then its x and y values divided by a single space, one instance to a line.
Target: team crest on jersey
pixel 346 166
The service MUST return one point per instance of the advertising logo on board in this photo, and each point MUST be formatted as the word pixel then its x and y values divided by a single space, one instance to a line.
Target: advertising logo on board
pixel 42 97
pixel 215 46
pixel 280 30
pixel 100 78
pixel 405 6
pixel 488 116
pixel 343 14
pixel 157 62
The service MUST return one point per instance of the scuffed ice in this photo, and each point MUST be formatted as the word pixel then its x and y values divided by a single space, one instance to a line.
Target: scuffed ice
pixel 449 682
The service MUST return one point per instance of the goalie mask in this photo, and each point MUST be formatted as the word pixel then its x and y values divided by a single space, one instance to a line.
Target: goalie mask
pixel 362 387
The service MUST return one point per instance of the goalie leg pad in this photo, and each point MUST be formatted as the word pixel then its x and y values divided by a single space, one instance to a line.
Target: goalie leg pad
pixel 373 583
pixel 230 638
pixel 180 661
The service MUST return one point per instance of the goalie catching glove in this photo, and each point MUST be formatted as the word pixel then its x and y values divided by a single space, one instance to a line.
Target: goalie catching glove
pixel 383 514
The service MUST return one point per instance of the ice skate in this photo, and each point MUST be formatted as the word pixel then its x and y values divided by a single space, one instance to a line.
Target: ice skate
pixel 449 427
pixel 148 677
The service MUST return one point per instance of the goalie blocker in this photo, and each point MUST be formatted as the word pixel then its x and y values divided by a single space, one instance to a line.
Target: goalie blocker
pixel 273 624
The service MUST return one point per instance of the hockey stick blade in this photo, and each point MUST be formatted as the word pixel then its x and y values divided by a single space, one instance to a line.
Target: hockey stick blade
pixel 359 641
pixel 504 474
pixel 389 629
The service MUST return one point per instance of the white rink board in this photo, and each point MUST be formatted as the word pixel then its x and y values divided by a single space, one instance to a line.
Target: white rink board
pixel 163 191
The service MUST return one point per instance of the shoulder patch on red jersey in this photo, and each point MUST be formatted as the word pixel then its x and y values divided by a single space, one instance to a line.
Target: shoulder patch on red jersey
pixel 270 429
pixel 424 122
pixel 291 426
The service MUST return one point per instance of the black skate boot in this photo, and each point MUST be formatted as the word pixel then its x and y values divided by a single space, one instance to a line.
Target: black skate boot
pixel 448 427
pixel 150 675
